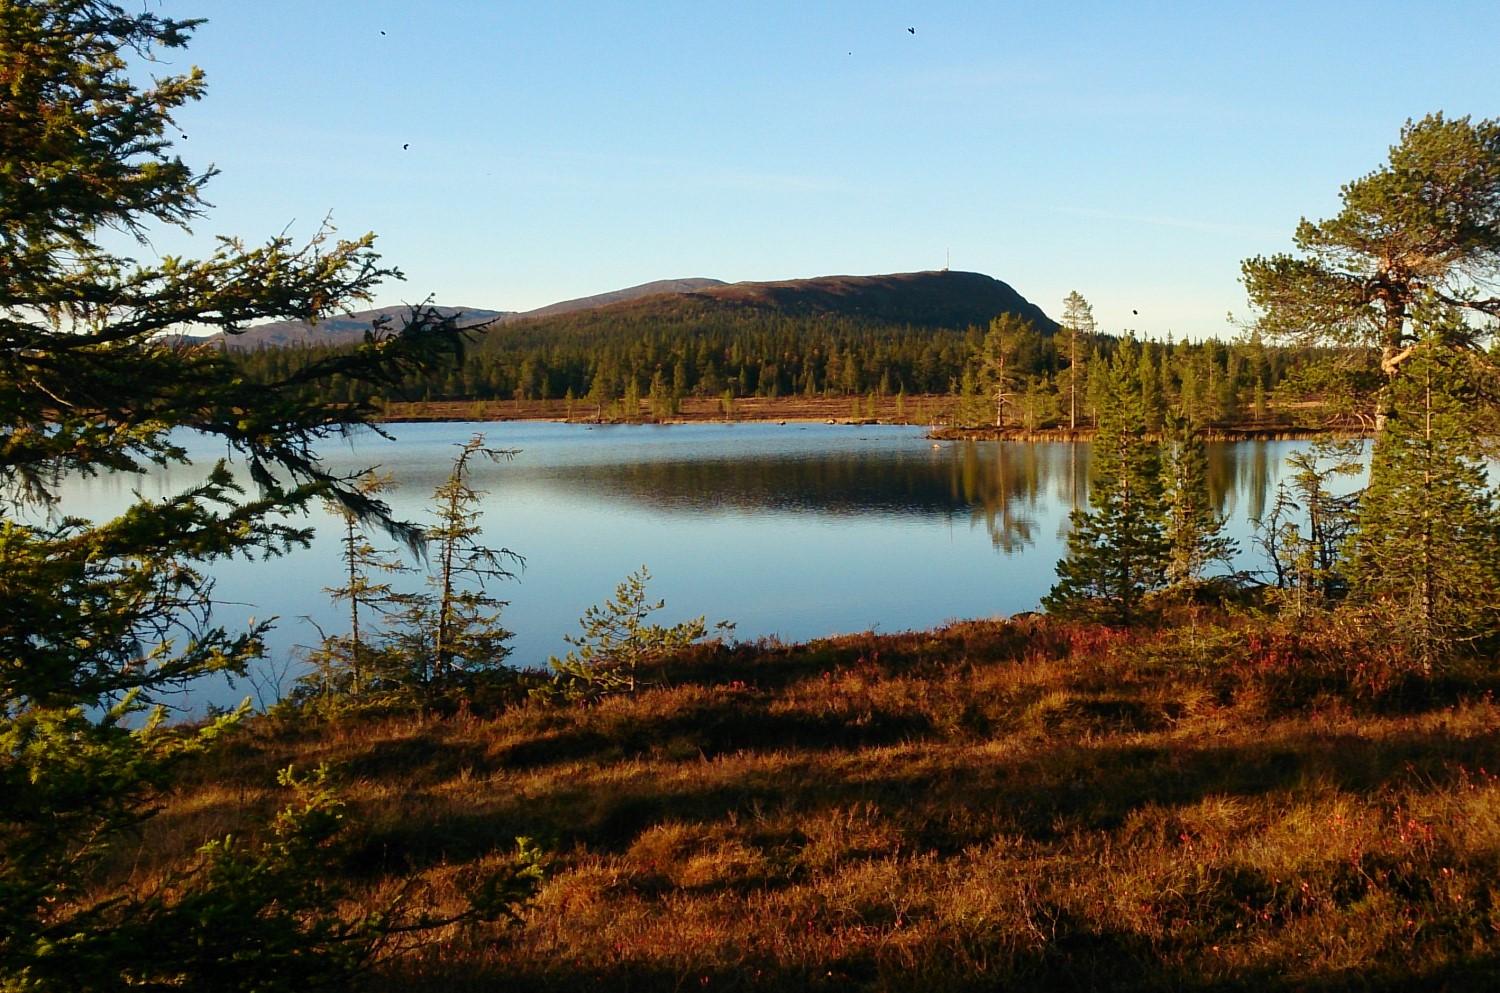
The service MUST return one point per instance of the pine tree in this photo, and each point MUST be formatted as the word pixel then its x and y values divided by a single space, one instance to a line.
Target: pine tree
pixel 1117 549
pixel 1078 324
pixel 618 646
pixel 1425 225
pixel 996 373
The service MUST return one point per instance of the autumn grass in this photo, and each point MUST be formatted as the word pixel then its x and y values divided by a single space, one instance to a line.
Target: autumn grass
pixel 1221 804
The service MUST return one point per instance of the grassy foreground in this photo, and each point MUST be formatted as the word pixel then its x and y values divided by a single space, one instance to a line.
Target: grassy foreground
pixel 1040 805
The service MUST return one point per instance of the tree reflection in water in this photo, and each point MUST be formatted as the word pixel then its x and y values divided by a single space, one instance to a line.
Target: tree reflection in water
pixel 1008 487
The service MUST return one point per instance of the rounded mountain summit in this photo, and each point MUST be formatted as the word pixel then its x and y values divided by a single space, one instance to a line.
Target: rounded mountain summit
pixel 937 299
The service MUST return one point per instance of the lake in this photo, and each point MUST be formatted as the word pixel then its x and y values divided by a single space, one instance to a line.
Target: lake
pixel 795 531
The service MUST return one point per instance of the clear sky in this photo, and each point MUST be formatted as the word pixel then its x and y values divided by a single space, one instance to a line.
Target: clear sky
pixel 510 155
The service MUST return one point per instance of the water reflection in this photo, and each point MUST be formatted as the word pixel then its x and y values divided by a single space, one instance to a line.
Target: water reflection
pixel 1008 488
pixel 859 482
pixel 794 531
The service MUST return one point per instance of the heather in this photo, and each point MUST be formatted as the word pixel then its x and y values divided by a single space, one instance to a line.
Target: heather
pixel 1219 802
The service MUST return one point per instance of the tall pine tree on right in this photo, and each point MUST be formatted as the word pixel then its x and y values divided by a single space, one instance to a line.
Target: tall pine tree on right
pixel 1408 267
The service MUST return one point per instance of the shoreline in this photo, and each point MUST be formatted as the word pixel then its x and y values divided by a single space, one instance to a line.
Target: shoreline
pixel 916 411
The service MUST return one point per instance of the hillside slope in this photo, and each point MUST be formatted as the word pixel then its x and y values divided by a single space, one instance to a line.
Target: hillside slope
pixel 934 299
pixel 941 298
pixel 656 288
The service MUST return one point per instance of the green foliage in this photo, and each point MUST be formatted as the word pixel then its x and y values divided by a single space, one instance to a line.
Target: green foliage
pixel 1118 549
pixel 441 638
pixel 73 784
pixel 256 916
pixel 1428 222
pixel 99 619
pixel 618 647
pixel 1309 564
pixel 1195 529
pixel 1428 546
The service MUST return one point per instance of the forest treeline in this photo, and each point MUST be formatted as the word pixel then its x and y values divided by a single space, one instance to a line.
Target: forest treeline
pixel 618 363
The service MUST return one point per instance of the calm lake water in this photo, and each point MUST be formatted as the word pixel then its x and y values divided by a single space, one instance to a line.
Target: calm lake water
pixel 794 530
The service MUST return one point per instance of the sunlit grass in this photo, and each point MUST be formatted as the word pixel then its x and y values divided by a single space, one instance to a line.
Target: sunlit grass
pixel 1233 804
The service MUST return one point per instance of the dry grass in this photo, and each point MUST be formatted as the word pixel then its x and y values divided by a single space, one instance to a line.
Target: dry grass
pixel 861 409
pixel 1037 805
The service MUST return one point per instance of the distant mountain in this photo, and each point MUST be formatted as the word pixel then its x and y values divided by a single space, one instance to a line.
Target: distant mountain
pixel 347 329
pixel 844 335
pixel 343 329
pixel 657 288
pixel 933 299
pixel 942 298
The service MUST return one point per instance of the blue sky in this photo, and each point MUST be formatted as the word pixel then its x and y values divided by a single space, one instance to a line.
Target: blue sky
pixel 1134 152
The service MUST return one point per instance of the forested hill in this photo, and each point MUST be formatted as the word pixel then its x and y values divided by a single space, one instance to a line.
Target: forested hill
pixel 942 299
pixel 656 288
pixel 929 300
pixel 846 334
pixel 908 332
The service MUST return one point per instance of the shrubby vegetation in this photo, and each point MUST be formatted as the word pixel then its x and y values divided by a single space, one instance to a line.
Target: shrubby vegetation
pixel 619 647
pixel 1244 802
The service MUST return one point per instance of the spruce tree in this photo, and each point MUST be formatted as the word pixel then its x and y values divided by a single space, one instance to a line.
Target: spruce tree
pixel 1117 549
pixel 99 619
pixel 1195 530
pixel 451 632
pixel 1428 547
pixel 344 664
pixel 1153 404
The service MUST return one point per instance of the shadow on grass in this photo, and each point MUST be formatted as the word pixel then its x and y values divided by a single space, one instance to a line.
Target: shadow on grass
pixel 939 800
pixel 1073 959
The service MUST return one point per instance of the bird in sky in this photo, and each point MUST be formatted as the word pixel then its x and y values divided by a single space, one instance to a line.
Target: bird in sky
pixel 406 146
pixel 911 30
